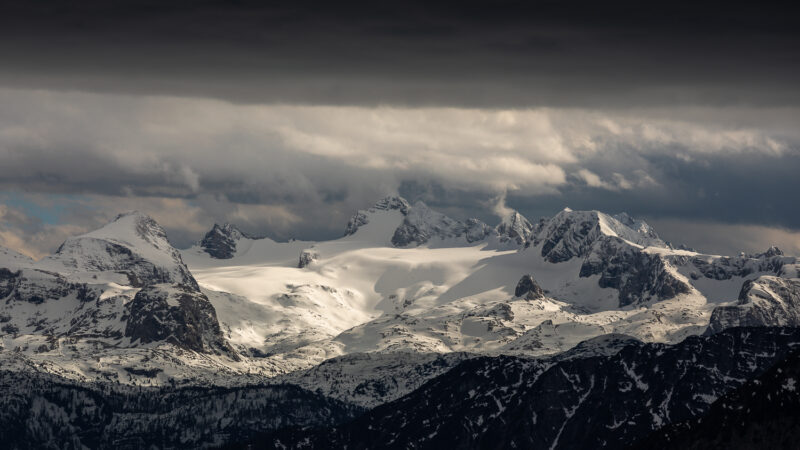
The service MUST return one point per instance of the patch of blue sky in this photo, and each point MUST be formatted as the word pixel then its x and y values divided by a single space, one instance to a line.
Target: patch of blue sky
pixel 46 207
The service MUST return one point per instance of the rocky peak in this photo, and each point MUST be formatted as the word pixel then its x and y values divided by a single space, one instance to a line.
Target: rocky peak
pixel 571 233
pixel 528 288
pixel 307 256
pixel 133 244
pixel 475 230
pixel 176 314
pixel 220 241
pixel 772 251
pixel 422 223
pixel 362 217
pixel 392 203
pixel 639 226
pixel 765 301
pixel 568 234
pixel 514 227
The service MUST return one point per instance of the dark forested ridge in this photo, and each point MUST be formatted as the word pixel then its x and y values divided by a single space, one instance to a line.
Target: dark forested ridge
pixel 43 411
pixel 592 402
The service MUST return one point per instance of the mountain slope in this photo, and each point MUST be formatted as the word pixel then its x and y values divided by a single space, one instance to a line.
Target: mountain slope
pixel 39 411
pixel 119 292
pixel 763 413
pixel 584 402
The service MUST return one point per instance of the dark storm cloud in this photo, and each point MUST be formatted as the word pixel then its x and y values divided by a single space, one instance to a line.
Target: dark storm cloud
pixel 673 112
pixel 415 53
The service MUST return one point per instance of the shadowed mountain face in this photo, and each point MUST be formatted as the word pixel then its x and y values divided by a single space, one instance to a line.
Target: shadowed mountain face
pixel 583 402
pixel 40 411
pixel 763 413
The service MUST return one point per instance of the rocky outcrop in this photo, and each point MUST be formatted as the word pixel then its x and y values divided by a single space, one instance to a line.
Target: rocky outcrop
pixel 571 234
pixel 38 286
pixel 727 267
pixel 638 276
pixel 528 288
pixel 421 224
pixel 639 226
pixel 515 228
pixel 361 218
pixel 476 231
pixel 178 315
pixel 307 256
pixel 220 242
pixel 765 301
pixel 8 281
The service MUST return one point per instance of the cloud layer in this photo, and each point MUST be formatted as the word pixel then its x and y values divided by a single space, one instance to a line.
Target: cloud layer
pixel 479 54
pixel 301 170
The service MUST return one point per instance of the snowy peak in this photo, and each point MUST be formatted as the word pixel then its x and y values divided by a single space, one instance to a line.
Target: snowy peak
pixel 639 226
pixel 133 244
pixel 514 227
pixel 220 242
pixel 421 224
pixel 395 220
pixel 132 227
pixel 393 203
pixel 572 233
pixel 766 301
pixel 364 216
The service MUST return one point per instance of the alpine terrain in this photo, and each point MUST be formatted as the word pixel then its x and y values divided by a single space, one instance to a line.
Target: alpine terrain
pixel 412 330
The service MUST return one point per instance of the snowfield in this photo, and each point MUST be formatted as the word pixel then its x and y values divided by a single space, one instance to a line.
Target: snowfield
pixel 403 280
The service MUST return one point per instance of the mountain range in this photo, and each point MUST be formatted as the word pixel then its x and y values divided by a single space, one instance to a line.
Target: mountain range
pixel 420 328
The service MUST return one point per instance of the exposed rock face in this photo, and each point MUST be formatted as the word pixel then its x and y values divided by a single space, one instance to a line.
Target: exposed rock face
pixel 92 278
pixel 221 241
pixel 176 314
pixel 476 231
pixel 515 227
pixel 386 204
pixel 37 286
pixel 765 301
pixel 8 281
pixel 422 223
pixel 528 288
pixel 639 226
pixel 727 267
pixel 570 234
pixel 133 244
pixel 307 256
pixel 638 276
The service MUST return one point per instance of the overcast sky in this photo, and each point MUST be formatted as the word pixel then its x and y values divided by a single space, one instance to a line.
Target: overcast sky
pixel 286 120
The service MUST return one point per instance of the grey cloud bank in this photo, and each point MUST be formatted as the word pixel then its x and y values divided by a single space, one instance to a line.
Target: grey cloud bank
pixel 300 171
pixel 286 119
pixel 507 54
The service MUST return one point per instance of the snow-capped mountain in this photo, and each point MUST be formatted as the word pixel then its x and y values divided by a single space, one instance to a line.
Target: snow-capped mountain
pixel 406 295
pixel 402 278
pixel 119 292
pixel 133 245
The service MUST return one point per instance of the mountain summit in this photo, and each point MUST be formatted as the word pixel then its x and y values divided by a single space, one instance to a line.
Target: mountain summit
pixel 220 242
